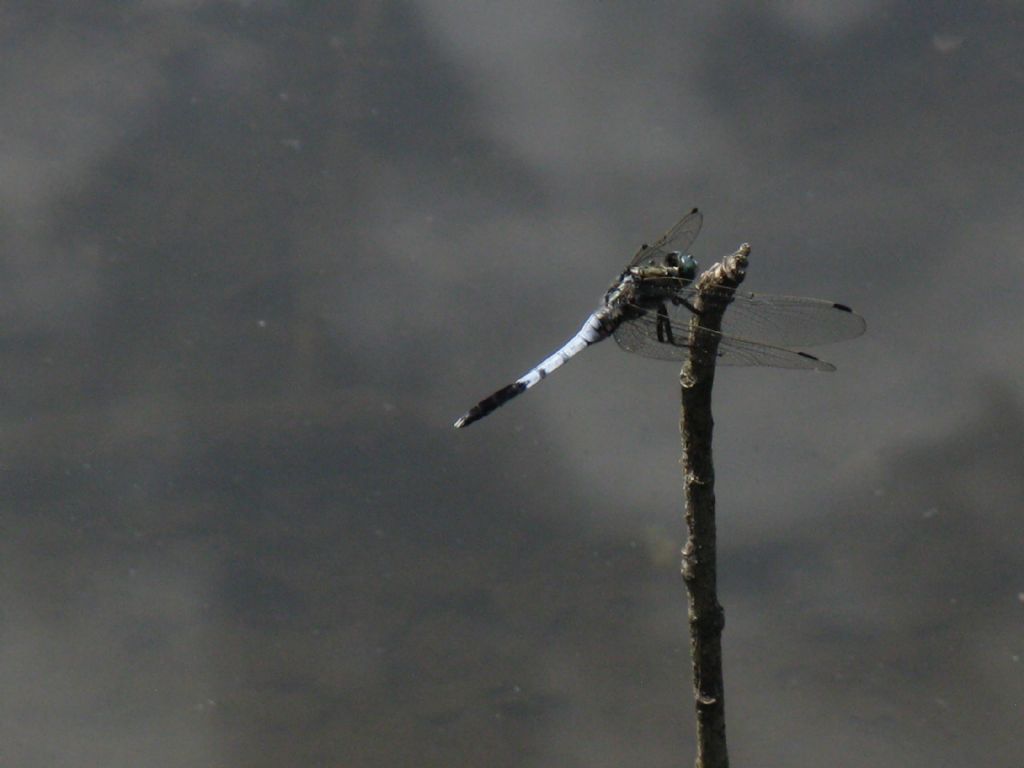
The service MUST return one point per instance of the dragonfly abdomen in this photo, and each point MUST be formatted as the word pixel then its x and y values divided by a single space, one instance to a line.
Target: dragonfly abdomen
pixel 597 327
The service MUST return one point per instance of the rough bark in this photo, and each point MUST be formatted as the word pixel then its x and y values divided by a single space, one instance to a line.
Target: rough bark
pixel 715 288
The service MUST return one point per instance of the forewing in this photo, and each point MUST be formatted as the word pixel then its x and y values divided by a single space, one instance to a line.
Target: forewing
pixel 679 238
pixel 783 320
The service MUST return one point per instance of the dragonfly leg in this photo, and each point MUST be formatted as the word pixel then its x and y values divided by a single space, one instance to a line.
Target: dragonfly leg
pixel 677 301
pixel 664 326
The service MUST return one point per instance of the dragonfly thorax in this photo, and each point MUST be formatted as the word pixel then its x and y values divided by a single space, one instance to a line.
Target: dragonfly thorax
pixel 673 266
pixel 659 280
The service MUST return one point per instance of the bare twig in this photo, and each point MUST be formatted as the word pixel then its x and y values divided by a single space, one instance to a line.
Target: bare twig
pixel 715 288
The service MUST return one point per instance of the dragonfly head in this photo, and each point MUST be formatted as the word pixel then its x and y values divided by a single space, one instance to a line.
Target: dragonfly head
pixel 686 264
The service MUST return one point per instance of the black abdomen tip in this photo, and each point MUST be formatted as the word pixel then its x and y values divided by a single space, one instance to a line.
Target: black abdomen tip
pixel 488 404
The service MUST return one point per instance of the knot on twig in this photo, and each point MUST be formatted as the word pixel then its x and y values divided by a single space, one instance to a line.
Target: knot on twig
pixel 688 569
pixel 692 478
pixel 707 619
pixel 728 273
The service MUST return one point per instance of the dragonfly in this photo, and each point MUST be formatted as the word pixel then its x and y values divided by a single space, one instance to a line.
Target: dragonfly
pixel 648 309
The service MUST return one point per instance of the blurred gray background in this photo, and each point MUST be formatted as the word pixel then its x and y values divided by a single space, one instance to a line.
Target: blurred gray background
pixel 257 256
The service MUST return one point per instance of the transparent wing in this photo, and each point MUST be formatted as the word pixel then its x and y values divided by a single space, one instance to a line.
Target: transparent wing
pixel 679 238
pixel 787 320
pixel 777 320
pixel 640 335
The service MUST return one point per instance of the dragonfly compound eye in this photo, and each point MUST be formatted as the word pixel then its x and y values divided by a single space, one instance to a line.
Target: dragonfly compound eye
pixel 688 267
